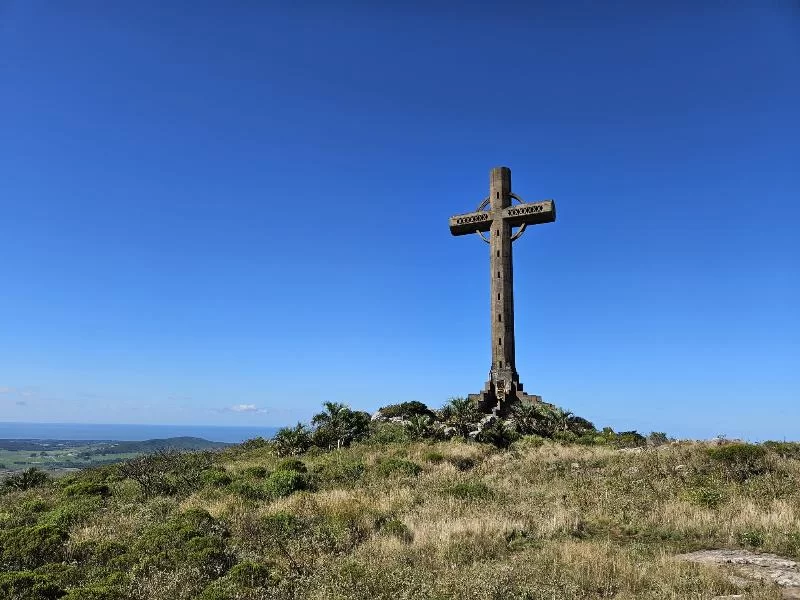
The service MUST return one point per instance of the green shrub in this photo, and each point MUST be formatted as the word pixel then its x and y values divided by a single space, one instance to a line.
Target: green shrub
pixel 250 574
pixel 707 497
pixel 629 439
pixel 193 538
pixel 97 552
pixel 26 480
pixel 34 506
pixel 462 463
pixel 752 539
pixel 565 437
pixel 256 472
pixel 406 410
pixel 240 582
pixel 292 464
pixel 339 470
pixel 72 511
pixel 97 592
pixel 284 483
pixel 87 488
pixel 387 433
pixel 396 528
pixel 29 547
pixel 216 477
pixel 397 467
pixel 291 441
pixel 26 585
pixel 498 435
pixel 469 490
pixel 254 443
pixel 784 449
pixel 248 490
pixel 741 461
pixel 657 438
pixel 167 472
pixel 433 457
pixel 528 442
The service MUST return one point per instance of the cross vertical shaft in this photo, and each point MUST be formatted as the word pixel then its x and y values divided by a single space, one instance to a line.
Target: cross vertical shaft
pixel 502 278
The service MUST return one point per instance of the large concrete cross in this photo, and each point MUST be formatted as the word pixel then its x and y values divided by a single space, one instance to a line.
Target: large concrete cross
pixel 503 387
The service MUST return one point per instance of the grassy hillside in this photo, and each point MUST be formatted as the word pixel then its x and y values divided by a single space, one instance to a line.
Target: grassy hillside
pixel 401 519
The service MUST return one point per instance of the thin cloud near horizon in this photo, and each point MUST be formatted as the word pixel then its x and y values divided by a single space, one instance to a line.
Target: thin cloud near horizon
pixel 244 408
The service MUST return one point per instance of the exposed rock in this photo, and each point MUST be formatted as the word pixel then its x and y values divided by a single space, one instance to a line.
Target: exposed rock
pixel 487 421
pixel 449 432
pixel 745 565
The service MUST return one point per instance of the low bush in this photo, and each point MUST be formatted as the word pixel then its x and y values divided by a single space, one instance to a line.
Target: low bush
pixel 784 449
pixel 87 488
pixel 432 456
pixel 339 471
pixel 292 464
pixel 26 480
pixel 469 490
pixel 26 585
pixel 498 435
pixel 284 483
pixel 217 477
pixel 740 461
pixel 254 443
pixel 30 547
pixel 462 463
pixel 396 528
pixel 387 433
pixel 256 472
pixel 406 410
pixel 245 580
pixel 391 467
pixel 707 497
pixel 193 538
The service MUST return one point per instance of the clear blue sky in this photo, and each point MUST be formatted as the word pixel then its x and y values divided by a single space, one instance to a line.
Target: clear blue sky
pixel 230 212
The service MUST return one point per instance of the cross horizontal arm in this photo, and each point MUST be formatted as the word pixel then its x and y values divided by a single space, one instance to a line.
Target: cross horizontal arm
pixel 530 213
pixel 470 223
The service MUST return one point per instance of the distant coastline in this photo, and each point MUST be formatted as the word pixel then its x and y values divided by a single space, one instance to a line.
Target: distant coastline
pixel 128 432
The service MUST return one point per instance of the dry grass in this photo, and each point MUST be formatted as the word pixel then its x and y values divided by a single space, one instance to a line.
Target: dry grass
pixel 552 522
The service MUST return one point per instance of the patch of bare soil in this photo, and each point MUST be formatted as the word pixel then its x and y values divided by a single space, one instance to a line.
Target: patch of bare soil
pixel 745 566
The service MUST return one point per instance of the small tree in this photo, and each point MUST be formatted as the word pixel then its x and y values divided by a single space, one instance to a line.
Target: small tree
pixel 167 472
pixel 406 410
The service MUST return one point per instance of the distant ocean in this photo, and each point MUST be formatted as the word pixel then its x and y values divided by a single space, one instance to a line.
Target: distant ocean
pixel 131 433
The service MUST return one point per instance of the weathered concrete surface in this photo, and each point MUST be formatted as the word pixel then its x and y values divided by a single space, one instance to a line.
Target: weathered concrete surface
pixel 744 566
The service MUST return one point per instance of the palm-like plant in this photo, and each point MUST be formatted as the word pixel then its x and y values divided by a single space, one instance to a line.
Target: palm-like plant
pixel 461 413
pixel 540 418
pixel 419 426
pixel 291 441
pixel 338 425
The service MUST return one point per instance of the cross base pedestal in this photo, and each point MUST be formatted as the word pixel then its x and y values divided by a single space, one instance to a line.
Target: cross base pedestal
pixel 488 401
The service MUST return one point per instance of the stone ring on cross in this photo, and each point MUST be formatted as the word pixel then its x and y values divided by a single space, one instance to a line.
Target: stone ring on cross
pixel 482 206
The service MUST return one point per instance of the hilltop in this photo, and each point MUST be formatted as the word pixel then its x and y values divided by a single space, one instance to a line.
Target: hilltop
pixel 399 513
